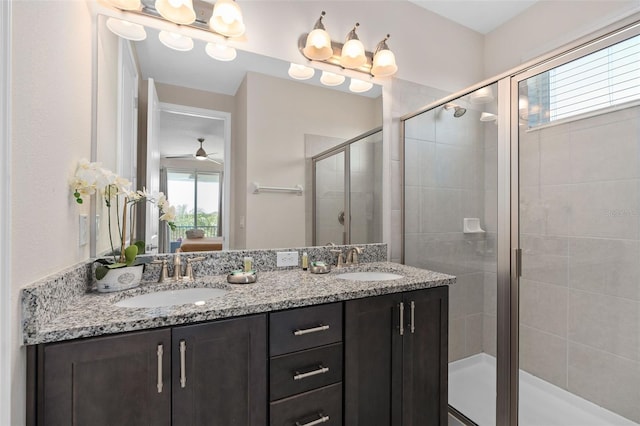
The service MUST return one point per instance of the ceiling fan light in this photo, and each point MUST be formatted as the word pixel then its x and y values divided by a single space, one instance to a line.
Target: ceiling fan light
pixel 226 19
pixel 126 29
pixel 201 154
pixel 300 72
pixel 331 79
pixel 359 86
pixel 126 4
pixel 177 11
pixel 221 52
pixel 176 41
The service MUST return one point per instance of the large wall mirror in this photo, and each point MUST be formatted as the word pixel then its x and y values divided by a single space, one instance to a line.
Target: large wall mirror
pixel 260 131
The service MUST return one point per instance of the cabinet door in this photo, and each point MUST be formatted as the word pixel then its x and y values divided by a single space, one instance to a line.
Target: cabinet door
pixel 114 380
pixel 220 373
pixel 373 361
pixel 425 358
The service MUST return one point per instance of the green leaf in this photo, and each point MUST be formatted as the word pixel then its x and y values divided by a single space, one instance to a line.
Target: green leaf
pixel 141 246
pixel 130 254
pixel 101 271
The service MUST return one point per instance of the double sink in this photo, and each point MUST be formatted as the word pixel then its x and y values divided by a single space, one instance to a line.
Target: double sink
pixel 199 295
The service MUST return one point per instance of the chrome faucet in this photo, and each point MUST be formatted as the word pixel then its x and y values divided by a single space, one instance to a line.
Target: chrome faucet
pixel 352 255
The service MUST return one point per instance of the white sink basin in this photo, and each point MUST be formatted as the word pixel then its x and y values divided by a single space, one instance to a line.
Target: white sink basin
pixel 197 296
pixel 369 276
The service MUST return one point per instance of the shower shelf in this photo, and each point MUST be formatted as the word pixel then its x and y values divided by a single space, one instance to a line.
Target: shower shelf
pixel 471 225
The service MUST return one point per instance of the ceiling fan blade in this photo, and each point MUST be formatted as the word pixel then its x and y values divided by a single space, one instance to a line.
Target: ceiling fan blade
pixel 179 156
pixel 214 161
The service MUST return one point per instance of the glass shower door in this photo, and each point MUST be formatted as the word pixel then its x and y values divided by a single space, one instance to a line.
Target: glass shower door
pixel 579 232
pixel 329 196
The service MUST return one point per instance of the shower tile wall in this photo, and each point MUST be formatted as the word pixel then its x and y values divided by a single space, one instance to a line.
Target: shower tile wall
pixel 444 183
pixel 580 286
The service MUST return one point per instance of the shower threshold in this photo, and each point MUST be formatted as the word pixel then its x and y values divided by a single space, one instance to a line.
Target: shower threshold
pixel 472 390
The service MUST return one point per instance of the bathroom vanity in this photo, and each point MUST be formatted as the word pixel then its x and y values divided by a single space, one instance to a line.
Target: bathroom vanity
pixel 292 349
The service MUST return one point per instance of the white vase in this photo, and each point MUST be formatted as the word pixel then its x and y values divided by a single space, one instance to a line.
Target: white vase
pixel 120 279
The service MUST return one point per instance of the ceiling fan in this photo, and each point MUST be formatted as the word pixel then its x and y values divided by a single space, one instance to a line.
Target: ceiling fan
pixel 200 154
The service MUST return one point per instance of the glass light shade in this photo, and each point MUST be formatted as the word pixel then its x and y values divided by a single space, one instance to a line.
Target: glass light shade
pixel 226 19
pixel 221 52
pixel 300 72
pixel 353 54
pixel 318 46
pixel 482 95
pixel 331 79
pixel 176 41
pixel 178 11
pixel 359 86
pixel 126 4
pixel 487 116
pixel 384 64
pixel 126 29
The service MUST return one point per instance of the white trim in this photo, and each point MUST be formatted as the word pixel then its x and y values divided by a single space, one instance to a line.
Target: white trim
pixel 7 326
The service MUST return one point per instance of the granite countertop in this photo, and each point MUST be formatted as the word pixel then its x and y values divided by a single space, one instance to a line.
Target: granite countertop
pixel 94 314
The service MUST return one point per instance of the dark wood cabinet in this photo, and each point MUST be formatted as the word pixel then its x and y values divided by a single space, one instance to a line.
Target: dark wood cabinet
pixel 212 373
pixel 396 359
pixel 114 380
pixel 220 373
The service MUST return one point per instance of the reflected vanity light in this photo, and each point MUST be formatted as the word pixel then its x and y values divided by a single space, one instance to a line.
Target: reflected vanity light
pixel 359 86
pixel 126 4
pixel 126 29
pixel 176 41
pixel 300 72
pixel 226 19
pixel 487 116
pixel 482 95
pixel 221 52
pixel 331 79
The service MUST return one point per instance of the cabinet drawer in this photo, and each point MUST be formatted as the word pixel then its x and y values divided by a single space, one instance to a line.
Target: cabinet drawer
pixel 318 407
pixel 305 370
pixel 305 328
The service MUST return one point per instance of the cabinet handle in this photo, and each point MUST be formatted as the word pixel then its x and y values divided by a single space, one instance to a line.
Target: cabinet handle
pixel 413 317
pixel 401 318
pixel 320 370
pixel 322 419
pixel 183 356
pixel 160 353
pixel 310 330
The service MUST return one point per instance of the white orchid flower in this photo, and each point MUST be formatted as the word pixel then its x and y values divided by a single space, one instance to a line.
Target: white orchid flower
pixel 169 214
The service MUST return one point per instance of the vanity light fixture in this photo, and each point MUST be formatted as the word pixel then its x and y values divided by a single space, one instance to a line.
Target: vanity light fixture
pixel 176 11
pixel 176 41
pixel 226 19
pixel 126 4
pixel 353 55
pixel 331 79
pixel 359 86
pixel 300 72
pixel 318 45
pixel 221 52
pixel 126 29
pixel 384 61
pixel 482 95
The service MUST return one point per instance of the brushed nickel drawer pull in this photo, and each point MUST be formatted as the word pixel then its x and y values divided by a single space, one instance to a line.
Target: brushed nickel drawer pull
pixel 322 419
pixel 183 373
pixel 320 370
pixel 310 330
pixel 413 317
pixel 401 318
pixel 160 353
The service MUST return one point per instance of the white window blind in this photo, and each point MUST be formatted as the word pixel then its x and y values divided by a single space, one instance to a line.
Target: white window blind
pixel 605 78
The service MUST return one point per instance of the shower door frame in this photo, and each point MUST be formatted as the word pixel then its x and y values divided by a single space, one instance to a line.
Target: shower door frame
pixel 508 241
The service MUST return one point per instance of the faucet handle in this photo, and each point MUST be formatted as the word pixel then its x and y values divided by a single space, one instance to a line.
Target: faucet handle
pixel 340 258
pixel 188 272
pixel 164 273
pixel 352 255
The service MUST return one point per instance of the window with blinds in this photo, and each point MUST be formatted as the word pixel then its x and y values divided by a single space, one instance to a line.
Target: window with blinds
pixel 603 79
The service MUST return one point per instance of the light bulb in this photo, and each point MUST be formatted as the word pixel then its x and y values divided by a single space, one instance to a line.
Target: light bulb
pixel 226 19
pixel 384 64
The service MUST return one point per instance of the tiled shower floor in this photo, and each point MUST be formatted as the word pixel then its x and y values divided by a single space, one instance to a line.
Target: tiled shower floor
pixel 472 390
